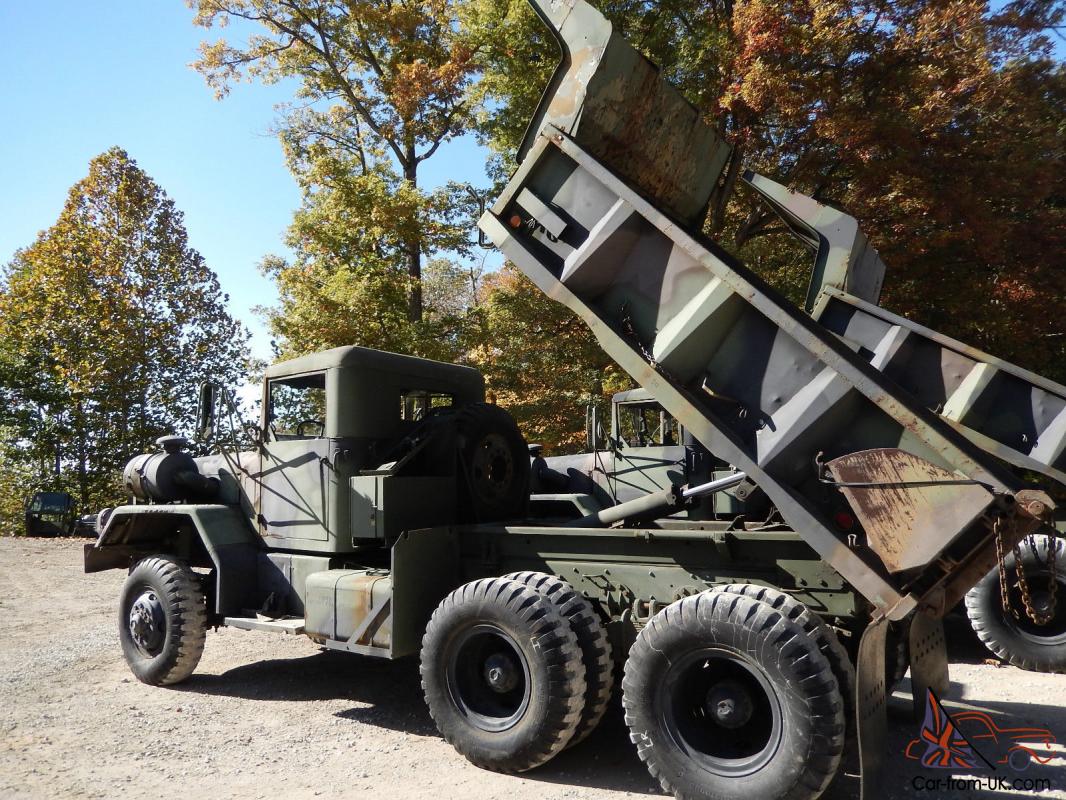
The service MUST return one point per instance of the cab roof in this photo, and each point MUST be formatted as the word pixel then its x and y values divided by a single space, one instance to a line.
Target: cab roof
pixel 633 396
pixel 368 358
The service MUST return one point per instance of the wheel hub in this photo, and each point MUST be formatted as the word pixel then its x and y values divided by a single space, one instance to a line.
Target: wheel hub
pixel 501 673
pixel 720 708
pixel 729 704
pixel 493 467
pixel 488 677
pixel 147 622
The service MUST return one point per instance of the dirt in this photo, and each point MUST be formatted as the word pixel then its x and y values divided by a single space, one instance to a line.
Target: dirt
pixel 270 715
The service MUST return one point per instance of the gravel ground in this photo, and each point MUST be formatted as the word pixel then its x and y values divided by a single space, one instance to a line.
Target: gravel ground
pixel 269 715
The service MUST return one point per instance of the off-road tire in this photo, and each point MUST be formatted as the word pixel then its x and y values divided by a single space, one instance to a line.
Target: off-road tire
pixel 828 642
pixel 494 472
pixel 591 638
pixel 544 644
pixel 1019 641
pixel 171 587
pixel 684 749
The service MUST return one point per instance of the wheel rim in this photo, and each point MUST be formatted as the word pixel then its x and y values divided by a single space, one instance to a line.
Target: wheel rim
pixel 1053 632
pixel 492 470
pixel 488 677
pixel 147 622
pixel 721 710
pixel 1019 759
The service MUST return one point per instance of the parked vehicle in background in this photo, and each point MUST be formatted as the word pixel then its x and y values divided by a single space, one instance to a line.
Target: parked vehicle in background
pixel 50 514
pixel 55 514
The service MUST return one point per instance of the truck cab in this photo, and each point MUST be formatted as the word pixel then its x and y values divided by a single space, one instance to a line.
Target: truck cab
pixel 647 450
pixel 353 448
pixel 331 424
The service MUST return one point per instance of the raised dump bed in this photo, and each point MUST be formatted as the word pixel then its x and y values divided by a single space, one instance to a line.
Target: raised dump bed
pixel 612 232
pixel 1012 413
pixel 754 378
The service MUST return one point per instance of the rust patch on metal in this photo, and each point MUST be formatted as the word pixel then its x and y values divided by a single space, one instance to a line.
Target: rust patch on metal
pixel 910 508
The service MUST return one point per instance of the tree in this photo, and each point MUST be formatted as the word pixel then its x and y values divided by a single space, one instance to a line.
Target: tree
pixel 347 283
pixel 542 362
pixel 383 85
pixel 108 323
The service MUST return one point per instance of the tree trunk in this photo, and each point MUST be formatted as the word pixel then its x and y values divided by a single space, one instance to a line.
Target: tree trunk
pixel 83 455
pixel 414 247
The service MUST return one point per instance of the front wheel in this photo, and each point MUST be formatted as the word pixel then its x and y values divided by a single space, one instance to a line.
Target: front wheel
pixel 725 697
pixel 162 621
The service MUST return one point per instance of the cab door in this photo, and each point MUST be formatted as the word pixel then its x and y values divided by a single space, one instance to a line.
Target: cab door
pixel 296 477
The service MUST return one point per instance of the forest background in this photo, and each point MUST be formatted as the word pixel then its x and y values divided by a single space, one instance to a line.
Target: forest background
pixel 939 124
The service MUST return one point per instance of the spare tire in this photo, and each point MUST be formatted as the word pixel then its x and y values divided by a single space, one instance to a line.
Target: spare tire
pixel 1012 635
pixel 493 464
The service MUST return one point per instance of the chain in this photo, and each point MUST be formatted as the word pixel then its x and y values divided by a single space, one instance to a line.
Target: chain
pixel 630 330
pixel 1040 618
pixel 1023 586
pixel 1001 559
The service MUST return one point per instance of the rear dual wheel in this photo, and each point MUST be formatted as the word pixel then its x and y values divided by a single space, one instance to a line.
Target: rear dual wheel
pixel 502 674
pixel 591 638
pixel 725 696
pixel 821 634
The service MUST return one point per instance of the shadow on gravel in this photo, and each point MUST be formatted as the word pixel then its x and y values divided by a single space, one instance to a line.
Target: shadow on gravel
pixel 605 760
pixel 391 691
pixel 389 695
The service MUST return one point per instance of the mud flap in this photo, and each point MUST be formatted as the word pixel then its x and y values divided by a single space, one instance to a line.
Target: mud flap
pixel 929 659
pixel 870 710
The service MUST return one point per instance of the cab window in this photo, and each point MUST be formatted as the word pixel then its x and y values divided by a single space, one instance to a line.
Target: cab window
pixel 416 404
pixel 298 407
pixel 646 425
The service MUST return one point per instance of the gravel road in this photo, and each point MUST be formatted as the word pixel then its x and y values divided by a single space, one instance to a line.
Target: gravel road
pixel 271 716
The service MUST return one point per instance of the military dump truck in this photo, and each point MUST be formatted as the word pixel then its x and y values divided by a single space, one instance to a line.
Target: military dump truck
pixel 382 508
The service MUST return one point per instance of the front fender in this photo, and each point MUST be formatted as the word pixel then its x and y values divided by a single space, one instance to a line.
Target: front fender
pixel 213 536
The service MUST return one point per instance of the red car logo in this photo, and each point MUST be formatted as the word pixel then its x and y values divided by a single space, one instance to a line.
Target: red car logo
pixel 951 742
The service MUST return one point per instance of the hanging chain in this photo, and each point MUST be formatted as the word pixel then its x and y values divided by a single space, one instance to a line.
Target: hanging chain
pixel 1040 618
pixel 1001 560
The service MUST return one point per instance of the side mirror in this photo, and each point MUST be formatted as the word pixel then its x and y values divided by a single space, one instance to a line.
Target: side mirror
pixel 594 435
pixel 205 413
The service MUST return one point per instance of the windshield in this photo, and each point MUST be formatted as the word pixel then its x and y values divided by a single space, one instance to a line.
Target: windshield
pixel 50 503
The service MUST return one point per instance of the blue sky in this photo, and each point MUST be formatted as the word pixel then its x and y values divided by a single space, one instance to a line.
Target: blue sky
pixel 82 77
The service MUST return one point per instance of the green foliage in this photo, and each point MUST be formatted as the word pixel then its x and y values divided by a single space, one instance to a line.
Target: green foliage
pixel 542 363
pixel 108 322
pixel 381 86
